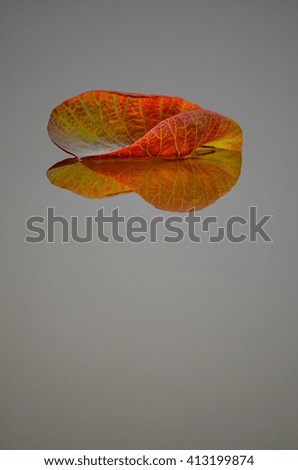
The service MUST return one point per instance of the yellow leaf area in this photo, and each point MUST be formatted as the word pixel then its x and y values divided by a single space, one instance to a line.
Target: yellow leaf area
pixel 170 185
pixel 71 174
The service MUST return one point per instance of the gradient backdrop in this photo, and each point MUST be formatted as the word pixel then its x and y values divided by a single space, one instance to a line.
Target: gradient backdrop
pixel 149 346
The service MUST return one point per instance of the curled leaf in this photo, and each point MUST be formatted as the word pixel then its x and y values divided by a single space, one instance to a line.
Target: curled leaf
pixel 114 125
pixel 100 122
pixel 160 147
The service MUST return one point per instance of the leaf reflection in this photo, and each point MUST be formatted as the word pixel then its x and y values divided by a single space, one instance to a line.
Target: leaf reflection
pixel 169 185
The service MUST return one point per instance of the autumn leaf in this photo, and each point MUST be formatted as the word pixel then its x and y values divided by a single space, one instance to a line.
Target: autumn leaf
pixel 100 122
pixel 160 147
pixel 170 185
pixel 113 125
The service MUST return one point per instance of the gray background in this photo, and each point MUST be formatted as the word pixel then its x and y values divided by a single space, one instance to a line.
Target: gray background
pixel 149 346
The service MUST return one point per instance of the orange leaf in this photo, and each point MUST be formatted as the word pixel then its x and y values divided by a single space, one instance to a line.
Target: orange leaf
pixel 101 124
